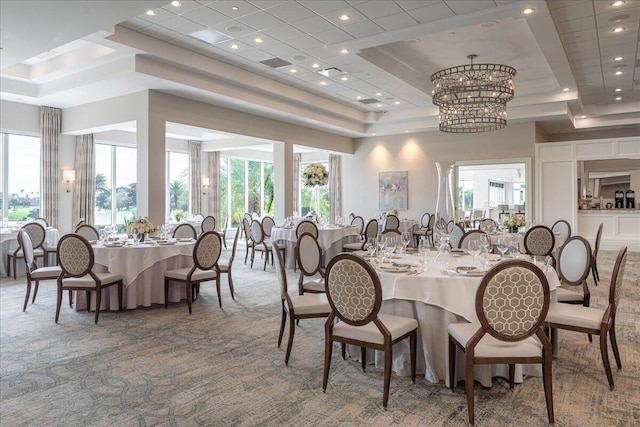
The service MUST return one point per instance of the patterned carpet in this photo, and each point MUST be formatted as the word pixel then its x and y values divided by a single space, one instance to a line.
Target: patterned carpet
pixel 222 367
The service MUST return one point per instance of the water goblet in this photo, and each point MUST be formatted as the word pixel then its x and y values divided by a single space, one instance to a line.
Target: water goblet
pixel 485 260
pixel 474 249
pixel 503 246
pixel 406 239
pixel 485 242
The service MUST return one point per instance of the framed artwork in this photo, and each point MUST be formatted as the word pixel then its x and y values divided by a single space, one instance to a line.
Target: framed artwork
pixel 392 190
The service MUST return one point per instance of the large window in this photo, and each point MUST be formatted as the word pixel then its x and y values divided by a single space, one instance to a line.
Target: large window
pixel 177 186
pixel 497 193
pixel 115 184
pixel 465 195
pixel 19 178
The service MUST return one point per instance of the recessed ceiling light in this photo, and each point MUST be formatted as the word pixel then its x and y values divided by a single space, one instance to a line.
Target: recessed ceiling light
pixel 566 89
pixel 618 58
pixel 293 70
pixel 258 40
pixel 176 3
pixel 344 17
pixel 234 46
pixel 617 3
pixel 359 97
pixel 316 65
pixel 617 73
pixel 151 13
pixel 397 102
pixel 378 105
pixel 406 131
pixel 528 11
pixel 373 134
pixel 618 90
pixel 378 94
pixel 618 30
pixel 344 79
pixel 582 117
pixel 234 8
pixel 618 98
pixel 344 51
pixel 234 29
pixel 323 83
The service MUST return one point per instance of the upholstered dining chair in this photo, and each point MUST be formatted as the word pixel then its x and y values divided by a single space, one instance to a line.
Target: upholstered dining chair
pixel 297 307
pixel 539 240
pixel 370 232
pixel 455 236
pixel 248 217
pixel 42 221
pixel 198 217
pixel 573 265
pixel 309 259
pixel 306 227
pixel 260 243
pixel 185 231
pixel 206 253
pixel 563 227
pixel 391 222
pixel 225 265
pixel 79 223
pixel 424 227
pixel 76 259
pixel 267 225
pixel 594 256
pixel 248 242
pixel 208 224
pixel 358 222
pixel 87 231
pixel 512 302
pixel 469 236
pixel 33 272
pixel 488 225
pixel 595 321
pixel 37 234
pixel 355 295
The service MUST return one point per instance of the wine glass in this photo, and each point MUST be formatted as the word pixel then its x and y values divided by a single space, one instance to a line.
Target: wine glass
pixel 485 260
pixel 381 245
pixel 503 245
pixel 485 242
pixel 399 244
pixel 136 236
pixel 406 239
pixel 474 247
pixel 370 246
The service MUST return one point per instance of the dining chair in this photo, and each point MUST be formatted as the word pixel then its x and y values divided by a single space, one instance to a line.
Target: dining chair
pixel 198 217
pixel 87 231
pixel 573 265
pixel 469 236
pixel 358 222
pixel 248 242
pixel 595 321
pixel 307 227
pixel 33 272
pixel 206 253
pixel 351 216
pixel 309 259
pixel 37 235
pixel 297 307
pixel 223 232
pixel 391 222
pixel 370 232
pixel 511 302
pixel 455 236
pixel 488 225
pixel 594 256
pixel 539 240
pixel 260 243
pixel 43 222
pixel 563 227
pixel 76 259
pixel 355 296
pixel 450 226
pixel 79 223
pixel 424 227
pixel 225 265
pixel 208 224
pixel 185 231
pixel 267 225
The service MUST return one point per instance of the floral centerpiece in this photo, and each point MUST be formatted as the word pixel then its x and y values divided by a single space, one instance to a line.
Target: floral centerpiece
pixel 142 225
pixel 514 221
pixel 392 212
pixel 177 215
pixel 315 174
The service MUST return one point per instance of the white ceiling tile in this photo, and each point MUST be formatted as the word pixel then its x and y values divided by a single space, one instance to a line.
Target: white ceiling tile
pixel 416 4
pixel 394 22
pixel 305 42
pixel 261 20
pixel 582 63
pixel 185 6
pixel 432 13
pixel 354 16
pixel 160 33
pixel 290 12
pixel 182 25
pixel 266 40
pixel 627 17
pixel 284 32
pixel 575 11
pixel 136 23
pixel 226 46
pixel 584 45
pixel 460 7
pixel 580 36
pixel 323 6
pixel 628 50
pixel 605 6
pixel 363 29
pixel 557 4
pixel 575 25
pixel 205 16
pixel 378 9
pixel 255 55
pixel 160 15
pixel 231 29
pixel 607 42
pixel 266 4
pixel 280 49
pixel 190 43
pixel 333 36
pixel 313 25
pixel 226 7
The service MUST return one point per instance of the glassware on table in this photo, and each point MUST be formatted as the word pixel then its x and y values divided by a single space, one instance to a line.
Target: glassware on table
pixel 370 246
pixel 399 244
pixel 136 237
pixel 485 260
pixel 503 245
pixel 406 239
pixel 485 242
pixel 474 247
pixel 389 246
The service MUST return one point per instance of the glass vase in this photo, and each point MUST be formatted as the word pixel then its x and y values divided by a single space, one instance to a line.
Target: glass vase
pixel 444 204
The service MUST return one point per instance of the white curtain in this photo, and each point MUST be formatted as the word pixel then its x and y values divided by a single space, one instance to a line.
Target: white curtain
pixel 84 189
pixel 195 185
pixel 296 183
pixel 335 187
pixel 213 168
pixel 50 119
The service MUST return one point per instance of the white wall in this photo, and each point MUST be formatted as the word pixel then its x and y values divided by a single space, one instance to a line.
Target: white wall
pixel 417 154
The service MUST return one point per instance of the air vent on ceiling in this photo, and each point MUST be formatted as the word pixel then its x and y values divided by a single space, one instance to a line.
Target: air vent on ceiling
pixel 275 62
pixel 331 72
pixel 369 101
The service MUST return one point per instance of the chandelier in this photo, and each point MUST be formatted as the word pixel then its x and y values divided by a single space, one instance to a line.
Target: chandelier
pixel 473 98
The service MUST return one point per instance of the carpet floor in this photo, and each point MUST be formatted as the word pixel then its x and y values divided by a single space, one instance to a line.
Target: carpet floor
pixel 222 367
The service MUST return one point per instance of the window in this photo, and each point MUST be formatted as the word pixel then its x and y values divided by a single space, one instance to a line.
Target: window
pixel 314 198
pixel 19 178
pixel 177 186
pixel 465 195
pixel 518 193
pixel 497 194
pixel 115 184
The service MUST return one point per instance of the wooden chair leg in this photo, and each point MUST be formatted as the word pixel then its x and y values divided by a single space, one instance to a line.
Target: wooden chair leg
pixel 413 343
pixel 26 298
pixel 233 297
pixel 166 292
pixel 87 296
pixel 120 285
pixel 35 291
pixel 387 375
pixel 59 303
pixel 452 363
pixel 605 359
pixel 98 298
pixel 614 344
pixel 328 344
pixel 343 351
pixel 469 385
pixel 189 296
pixel 363 358
pixel 292 330
pixel 70 298
pixel 512 374
pixel 547 381
pixel 218 290
pixel 282 323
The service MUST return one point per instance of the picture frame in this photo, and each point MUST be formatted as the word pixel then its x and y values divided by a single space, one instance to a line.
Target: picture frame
pixel 392 190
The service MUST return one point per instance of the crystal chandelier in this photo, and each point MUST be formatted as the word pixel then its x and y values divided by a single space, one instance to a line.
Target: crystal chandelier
pixel 473 98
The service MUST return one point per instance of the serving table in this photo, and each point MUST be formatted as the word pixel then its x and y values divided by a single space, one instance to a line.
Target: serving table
pixel 9 243
pixel 330 238
pixel 436 298
pixel 142 268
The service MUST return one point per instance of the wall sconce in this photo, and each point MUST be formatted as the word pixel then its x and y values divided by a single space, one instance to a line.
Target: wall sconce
pixel 69 175
pixel 205 184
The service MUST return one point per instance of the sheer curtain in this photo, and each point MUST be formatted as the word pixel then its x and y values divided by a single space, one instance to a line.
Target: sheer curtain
pixel 84 189
pixel 195 193
pixel 213 167
pixel 296 183
pixel 335 187
pixel 50 119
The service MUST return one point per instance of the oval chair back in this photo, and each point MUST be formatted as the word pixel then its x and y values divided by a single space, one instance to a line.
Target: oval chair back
pixel 79 223
pixel 36 233
pixel 563 227
pixel 306 227
pixel 456 236
pixel 391 223
pixel 246 227
pixel 469 236
pixel 424 221
pixel 616 280
pixel 309 254
pixel 267 225
pixel 358 221
pixel 75 256
pixel 185 231
pixel 278 262
pixel 574 261
pixel 207 250
pixel 371 230
pixel 208 224
pixel 488 225
pixel 257 233
pixel 24 241
pixel 198 217
pixel 87 231
pixel 539 240
pixel 43 222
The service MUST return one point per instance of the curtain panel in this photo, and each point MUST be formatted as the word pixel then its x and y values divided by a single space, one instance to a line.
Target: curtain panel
pixel 84 189
pixel 195 193
pixel 50 122
pixel 296 183
pixel 213 167
pixel 335 187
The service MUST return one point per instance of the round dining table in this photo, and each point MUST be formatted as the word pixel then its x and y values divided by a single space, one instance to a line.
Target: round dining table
pixel 9 242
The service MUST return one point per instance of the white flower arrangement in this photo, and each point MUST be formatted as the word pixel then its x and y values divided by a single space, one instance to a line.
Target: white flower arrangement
pixel 142 224
pixel 514 220
pixel 392 212
pixel 315 174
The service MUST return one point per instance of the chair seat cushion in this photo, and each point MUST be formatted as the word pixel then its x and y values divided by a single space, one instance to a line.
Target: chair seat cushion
pixel 310 304
pixel 224 266
pixel 493 347
pixel 46 273
pixel 565 294
pixel 36 253
pixel 354 246
pixel 370 333
pixel 575 315
pixel 197 276
pixel 316 285
pixel 88 282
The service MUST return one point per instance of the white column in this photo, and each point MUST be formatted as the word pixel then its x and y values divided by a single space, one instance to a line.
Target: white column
pixel 282 180
pixel 150 186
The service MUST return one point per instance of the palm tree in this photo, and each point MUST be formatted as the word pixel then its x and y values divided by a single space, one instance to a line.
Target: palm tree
pixel 176 190
pixel 101 183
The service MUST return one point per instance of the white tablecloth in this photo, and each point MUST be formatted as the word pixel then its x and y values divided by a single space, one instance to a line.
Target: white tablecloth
pixel 330 240
pixel 435 300
pixel 143 270
pixel 9 242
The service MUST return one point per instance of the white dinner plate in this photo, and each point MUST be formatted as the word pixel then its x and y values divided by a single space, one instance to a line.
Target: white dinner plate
pixel 394 268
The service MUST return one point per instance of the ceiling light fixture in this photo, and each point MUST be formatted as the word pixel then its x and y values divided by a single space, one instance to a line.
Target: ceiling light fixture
pixel 151 13
pixel 378 105
pixel 176 3
pixel 566 89
pixel 258 40
pixel 234 8
pixel 618 98
pixel 617 3
pixel 617 30
pixel 618 90
pixel 344 17
pixel 344 51
pixel 323 83
pixel 293 70
pixel 359 97
pixel 316 65
pixel 234 46
pixel 397 102
pixel 528 11
pixel 344 79
pixel 618 73
pixel 378 94
pixel 618 58
pixel 473 98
